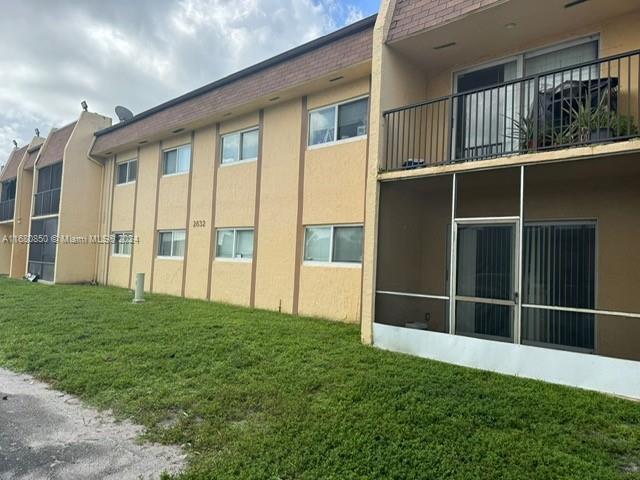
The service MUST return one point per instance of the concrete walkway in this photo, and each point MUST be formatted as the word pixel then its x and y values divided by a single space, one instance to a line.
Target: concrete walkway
pixel 45 434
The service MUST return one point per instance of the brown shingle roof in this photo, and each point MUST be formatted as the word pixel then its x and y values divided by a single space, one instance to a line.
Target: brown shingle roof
pixel 10 170
pixel 54 148
pixel 413 16
pixel 32 154
pixel 346 47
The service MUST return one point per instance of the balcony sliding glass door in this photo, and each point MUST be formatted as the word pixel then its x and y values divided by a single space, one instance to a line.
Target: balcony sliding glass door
pixel 494 116
pixel 482 127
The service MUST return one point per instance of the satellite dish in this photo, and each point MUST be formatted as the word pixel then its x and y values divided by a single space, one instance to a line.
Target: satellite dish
pixel 124 114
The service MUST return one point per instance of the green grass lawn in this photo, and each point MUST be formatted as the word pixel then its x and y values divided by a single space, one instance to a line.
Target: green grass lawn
pixel 254 394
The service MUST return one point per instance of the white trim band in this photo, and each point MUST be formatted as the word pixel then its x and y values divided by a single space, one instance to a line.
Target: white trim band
pixel 413 295
pixel 582 310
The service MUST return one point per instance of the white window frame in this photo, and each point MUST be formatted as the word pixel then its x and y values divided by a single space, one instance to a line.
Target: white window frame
pixel 233 257
pixel 520 57
pixel 336 141
pixel 240 133
pixel 177 149
pixel 128 163
pixel 331 262
pixel 116 244
pixel 172 232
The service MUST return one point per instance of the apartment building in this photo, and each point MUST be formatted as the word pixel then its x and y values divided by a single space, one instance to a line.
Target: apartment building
pixel 15 204
pixel 54 188
pixel 460 177
pixel 249 190
pixel 502 193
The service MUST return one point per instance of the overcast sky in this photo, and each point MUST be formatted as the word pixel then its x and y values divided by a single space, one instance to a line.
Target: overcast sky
pixel 139 53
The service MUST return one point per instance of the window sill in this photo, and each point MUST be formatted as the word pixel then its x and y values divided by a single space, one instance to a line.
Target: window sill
pixel 337 142
pixel 233 260
pixel 165 175
pixel 313 263
pixel 121 255
pixel 44 217
pixel 175 259
pixel 125 184
pixel 239 162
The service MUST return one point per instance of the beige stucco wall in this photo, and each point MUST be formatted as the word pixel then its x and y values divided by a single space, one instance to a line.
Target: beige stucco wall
pixel 168 276
pixel 77 262
pixel 331 292
pixel 236 195
pixel 231 282
pixel 144 249
pixel 278 223
pixel 340 200
pixel 119 271
pixel 6 231
pixel 200 244
pixel 235 207
pixel 334 187
pixel 123 200
pixel 21 222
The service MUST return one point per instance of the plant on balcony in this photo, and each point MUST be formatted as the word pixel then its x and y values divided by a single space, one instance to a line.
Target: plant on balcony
pixel 623 125
pixel 588 123
pixel 526 135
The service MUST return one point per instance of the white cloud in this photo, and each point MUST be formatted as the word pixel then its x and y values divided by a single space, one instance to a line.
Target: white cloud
pixel 137 53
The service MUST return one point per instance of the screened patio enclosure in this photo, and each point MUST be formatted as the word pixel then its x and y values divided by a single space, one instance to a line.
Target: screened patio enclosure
pixel 543 256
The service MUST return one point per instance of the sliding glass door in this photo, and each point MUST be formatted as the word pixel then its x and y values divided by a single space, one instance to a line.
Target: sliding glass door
pixel 559 270
pixel 486 278
pixel 481 126
pixel 42 249
pixel 494 116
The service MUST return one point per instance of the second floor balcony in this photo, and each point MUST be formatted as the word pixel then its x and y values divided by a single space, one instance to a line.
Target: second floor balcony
pixel 588 103
pixel 46 202
pixel 6 210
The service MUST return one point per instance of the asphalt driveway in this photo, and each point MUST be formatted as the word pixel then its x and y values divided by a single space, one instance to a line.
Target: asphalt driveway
pixel 45 434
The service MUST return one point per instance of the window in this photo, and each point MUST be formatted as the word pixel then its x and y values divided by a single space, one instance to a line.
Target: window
pixel 171 243
pixel 559 269
pixel 50 178
pixel 8 190
pixel 335 244
pixel 240 146
pixel 562 56
pixel 348 119
pixel 177 160
pixel 236 243
pixel 122 243
pixel 127 172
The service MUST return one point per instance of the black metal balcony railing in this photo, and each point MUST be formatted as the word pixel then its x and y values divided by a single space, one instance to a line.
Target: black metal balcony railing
pixel 46 202
pixel 592 102
pixel 6 210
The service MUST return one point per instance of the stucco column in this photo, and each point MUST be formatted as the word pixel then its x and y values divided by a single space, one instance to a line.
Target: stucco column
pixel 376 140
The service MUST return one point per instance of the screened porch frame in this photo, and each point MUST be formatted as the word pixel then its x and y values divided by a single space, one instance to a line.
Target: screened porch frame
pixel 452 297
